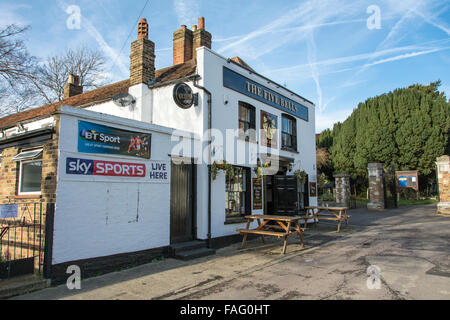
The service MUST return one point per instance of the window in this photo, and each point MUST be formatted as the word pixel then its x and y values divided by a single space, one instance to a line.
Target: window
pixel 237 193
pixel 289 133
pixel 30 171
pixel 247 123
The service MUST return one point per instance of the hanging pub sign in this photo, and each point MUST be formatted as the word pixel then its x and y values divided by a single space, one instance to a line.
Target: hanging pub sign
pixel 257 194
pixel 237 82
pixel 96 138
pixel 183 95
pixel 269 125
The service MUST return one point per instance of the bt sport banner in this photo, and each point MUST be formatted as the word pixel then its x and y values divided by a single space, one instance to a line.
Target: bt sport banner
pixel 100 139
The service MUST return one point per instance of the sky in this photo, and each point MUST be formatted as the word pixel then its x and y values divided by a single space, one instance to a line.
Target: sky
pixel 335 53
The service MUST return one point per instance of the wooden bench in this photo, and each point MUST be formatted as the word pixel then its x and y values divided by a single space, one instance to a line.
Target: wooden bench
pixel 285 227
pixel 338 214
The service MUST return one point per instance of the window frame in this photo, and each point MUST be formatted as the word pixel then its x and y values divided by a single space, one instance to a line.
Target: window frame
pixel 250 134
pixel 293 136
pixel 20 172
pixel 247 194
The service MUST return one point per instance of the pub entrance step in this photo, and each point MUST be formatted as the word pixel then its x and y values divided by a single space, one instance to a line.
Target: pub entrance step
pixel 190 250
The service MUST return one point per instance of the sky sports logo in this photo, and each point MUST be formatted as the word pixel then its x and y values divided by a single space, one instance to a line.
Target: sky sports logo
pixel 104 168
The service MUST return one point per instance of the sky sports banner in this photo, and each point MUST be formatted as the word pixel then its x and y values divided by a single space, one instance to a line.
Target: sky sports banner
pixel 87 167
pixel 99 139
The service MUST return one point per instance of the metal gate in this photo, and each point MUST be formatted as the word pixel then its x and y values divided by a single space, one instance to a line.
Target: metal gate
pixel 22 241
pixel 182 202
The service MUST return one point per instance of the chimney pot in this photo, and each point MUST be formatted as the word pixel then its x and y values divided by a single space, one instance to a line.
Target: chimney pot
pixel 201 23
pixel 194 27
pixel 143 29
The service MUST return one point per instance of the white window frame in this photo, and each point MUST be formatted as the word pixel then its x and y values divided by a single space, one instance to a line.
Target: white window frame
pixel 19 192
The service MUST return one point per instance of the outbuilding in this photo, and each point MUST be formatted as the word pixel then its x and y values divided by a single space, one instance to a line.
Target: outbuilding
pixel 167 159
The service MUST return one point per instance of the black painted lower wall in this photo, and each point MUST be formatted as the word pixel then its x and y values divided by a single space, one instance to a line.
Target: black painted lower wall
pixel 98 266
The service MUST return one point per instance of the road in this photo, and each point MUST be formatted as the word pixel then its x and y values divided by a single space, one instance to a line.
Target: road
pixel 407 247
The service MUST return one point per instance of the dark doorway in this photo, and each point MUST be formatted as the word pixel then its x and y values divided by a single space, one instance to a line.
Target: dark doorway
pixel 182 218
pixel 285 195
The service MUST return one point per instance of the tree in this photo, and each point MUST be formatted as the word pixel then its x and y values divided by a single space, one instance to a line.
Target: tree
pixel 407 128
pixel 17 67
pixel 51 77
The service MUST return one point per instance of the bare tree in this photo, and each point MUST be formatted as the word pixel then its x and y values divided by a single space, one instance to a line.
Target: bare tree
pixel 15 61
pixel 52 75
pixel 16 69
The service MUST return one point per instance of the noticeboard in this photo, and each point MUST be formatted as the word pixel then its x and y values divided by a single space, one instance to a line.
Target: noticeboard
pixel 257 194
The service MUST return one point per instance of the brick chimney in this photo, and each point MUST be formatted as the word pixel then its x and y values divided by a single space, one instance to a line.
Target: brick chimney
pixel 202 38
pixel 142 58
pixel 72 87
pixel 182 45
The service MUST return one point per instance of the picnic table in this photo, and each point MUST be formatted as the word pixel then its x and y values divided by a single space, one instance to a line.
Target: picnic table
pixel 337 214
pixel 285 226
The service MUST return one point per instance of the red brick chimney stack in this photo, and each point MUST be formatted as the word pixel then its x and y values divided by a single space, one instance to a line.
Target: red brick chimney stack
pixel 185 41
pixel 142 58
pixel 202 38
pixel 72 87
pixel 182 45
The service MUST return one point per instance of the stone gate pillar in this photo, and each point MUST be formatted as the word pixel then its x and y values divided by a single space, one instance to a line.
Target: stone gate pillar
pixel 376 186
pixel 342 189
pixel 443 173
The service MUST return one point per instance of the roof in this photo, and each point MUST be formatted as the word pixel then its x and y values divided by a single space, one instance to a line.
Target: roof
pixel 101 94
pixel 242 63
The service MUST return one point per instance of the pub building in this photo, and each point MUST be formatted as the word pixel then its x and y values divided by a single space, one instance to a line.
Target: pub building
pixel 125 173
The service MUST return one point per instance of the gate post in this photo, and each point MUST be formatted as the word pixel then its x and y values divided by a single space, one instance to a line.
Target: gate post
pixel 342 189
pixel 48 246
pixel 376 186
pixel 443 174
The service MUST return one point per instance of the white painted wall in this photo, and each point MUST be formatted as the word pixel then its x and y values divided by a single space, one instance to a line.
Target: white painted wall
pixel 97 216
pixel 225 116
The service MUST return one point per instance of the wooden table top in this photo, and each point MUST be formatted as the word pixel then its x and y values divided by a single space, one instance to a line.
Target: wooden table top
pixel 275 218
pixel 328 208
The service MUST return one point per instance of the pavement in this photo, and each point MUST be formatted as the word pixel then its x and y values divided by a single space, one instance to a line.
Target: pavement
pixel 395 254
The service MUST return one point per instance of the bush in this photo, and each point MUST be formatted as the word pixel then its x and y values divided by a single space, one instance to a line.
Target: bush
pixel 408 194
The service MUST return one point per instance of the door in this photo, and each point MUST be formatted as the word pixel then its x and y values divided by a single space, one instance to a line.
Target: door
pixel 182 203
pixel 285 195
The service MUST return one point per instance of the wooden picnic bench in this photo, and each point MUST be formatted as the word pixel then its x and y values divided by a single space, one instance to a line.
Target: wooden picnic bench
pixel 337 214
pixel 285 226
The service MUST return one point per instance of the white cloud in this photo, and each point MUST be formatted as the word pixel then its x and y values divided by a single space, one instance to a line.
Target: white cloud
pixel 187 11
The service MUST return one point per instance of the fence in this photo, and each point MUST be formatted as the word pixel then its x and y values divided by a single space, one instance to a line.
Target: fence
pixel 22 240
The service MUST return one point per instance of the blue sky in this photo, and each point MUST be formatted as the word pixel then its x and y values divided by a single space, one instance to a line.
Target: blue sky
pixel 332 52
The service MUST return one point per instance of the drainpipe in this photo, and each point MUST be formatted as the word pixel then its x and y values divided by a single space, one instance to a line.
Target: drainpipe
pixel 209 154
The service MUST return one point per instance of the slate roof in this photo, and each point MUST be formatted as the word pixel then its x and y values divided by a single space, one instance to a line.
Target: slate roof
pixel 98 95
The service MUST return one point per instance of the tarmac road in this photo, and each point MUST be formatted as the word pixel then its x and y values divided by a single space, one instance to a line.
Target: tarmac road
pixel 407 251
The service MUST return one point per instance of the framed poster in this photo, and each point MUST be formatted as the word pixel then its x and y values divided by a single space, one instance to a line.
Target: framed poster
pixel 100 139
pixel 313 189
pixel 269 133
pixel 257 194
